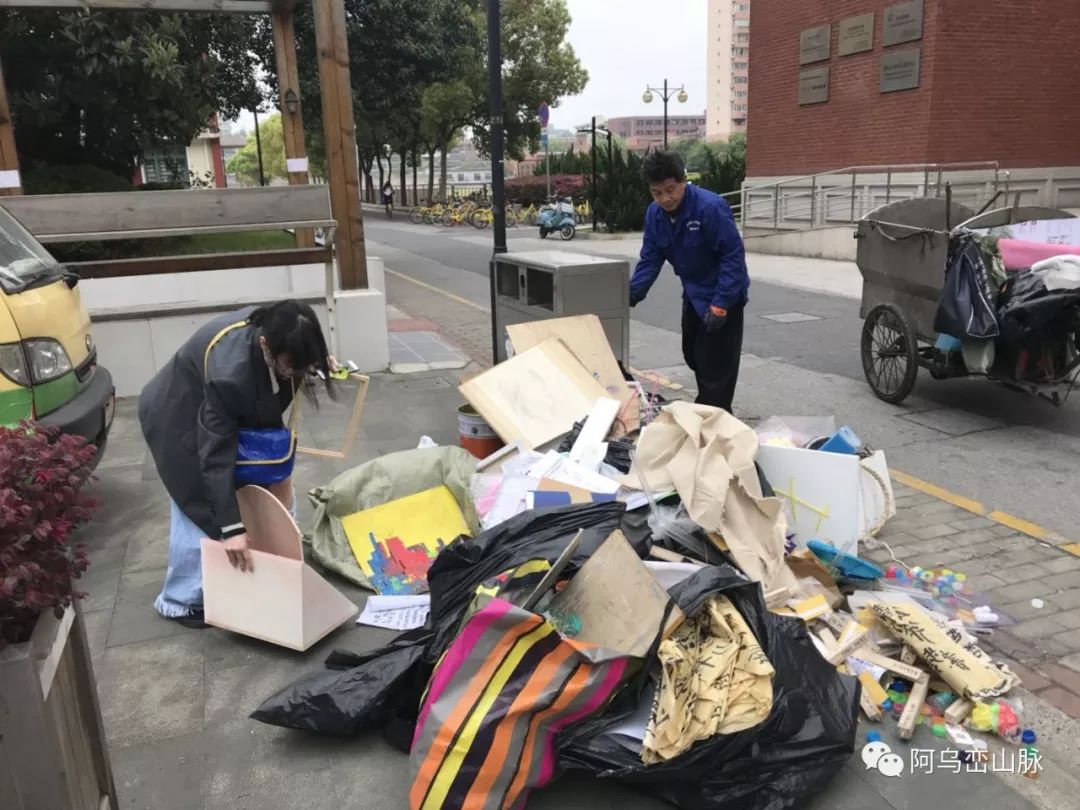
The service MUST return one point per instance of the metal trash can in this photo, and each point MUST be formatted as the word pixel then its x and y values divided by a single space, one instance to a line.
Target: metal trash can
pixel 545 284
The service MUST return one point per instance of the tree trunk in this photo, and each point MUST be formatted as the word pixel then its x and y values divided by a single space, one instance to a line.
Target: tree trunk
pixel 415 161
pixel 442 173
pixel 404 187
pixel 382 175
pixel 369 191
pixel 431 176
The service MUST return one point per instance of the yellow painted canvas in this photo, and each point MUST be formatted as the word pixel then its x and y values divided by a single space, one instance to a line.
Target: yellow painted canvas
pixel 396 542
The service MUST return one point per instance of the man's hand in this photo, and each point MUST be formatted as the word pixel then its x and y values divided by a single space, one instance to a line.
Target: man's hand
pixel 715 319
pixel 239 554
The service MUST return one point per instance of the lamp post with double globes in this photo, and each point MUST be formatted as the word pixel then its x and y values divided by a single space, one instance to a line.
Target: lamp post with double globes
pixel 666 95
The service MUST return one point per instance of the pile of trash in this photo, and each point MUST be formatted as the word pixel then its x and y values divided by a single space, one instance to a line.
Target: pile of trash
pixel 651 593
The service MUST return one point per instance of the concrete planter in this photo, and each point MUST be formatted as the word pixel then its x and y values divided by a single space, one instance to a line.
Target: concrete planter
pixel 52 742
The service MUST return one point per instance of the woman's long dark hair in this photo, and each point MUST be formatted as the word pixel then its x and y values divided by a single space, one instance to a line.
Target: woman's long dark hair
pixel 291 328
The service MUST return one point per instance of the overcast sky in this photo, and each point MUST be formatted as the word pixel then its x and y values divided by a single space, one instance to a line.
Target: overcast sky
pixel 656 39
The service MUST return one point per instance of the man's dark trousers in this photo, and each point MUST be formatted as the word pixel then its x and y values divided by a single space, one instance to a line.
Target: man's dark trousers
pixel 713 356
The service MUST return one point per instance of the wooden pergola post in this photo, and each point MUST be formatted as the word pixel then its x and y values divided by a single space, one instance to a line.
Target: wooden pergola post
pixel 292 122
pixel 10 182
pixel 339 131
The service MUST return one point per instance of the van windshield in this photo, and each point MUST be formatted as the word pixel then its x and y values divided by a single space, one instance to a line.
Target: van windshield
pixel 23 261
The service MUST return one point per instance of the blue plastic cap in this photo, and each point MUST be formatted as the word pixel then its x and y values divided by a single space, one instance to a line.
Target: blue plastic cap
pixel 1028 737
pixel 873 736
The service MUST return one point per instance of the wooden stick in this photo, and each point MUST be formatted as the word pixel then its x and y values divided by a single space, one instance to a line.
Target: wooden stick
pixel 913 707
pixel 907 655
pixel 958 712
pixel 870 709
pixel 903 670
pixel 351 429
pixel 844 651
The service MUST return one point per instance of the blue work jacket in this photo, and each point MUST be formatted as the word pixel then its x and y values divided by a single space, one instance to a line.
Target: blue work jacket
pixel 704 247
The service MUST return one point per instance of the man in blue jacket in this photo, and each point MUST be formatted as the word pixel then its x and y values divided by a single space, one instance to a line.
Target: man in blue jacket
pixel 694 230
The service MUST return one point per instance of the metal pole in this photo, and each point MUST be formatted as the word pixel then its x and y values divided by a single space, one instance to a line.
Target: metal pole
pixel 813 201
pixel 926 181
pixel 888 186
pixel 610 174
pixel 547 163
pixel 258 146
pixel 776 207
pixel 853 176
pixel 592 191
pixel 498 181
pixel 665 114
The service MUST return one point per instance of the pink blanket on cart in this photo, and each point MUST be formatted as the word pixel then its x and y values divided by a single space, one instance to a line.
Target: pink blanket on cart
pixel 1018 254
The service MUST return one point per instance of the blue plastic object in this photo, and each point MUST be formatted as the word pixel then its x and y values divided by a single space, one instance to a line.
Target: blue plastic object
pixel 947 343
pixel 1028 737
pixel 873 736
pixel 264 456
pixel 847 565
pixel 843 441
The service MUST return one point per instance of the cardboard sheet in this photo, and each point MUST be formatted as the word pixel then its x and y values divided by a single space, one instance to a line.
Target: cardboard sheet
pixel 614 601
pixel 535 396
pixel 396 542
pixel 584 337
pixel 707 456
pixel 283 601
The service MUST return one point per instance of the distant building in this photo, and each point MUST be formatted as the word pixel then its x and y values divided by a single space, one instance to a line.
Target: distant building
pixel 644 132
pixel 727 94
pixel 200 162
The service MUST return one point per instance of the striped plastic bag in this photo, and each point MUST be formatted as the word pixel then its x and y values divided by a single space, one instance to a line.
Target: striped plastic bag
pixel 505 688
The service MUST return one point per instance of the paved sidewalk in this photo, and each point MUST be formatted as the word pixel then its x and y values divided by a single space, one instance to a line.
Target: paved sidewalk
pixel 176 702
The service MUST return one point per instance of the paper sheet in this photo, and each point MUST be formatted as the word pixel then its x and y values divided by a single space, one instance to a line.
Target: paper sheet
pixel 558 468
pixel 396 612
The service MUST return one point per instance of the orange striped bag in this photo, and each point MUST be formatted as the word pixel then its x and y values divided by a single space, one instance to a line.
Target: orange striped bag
pixel 506 686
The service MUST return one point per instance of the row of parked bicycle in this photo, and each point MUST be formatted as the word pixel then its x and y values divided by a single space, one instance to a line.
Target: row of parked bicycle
pixel 481 215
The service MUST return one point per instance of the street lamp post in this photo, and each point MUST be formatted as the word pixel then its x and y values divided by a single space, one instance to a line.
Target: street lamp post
pixel 603 130
pixel 666 95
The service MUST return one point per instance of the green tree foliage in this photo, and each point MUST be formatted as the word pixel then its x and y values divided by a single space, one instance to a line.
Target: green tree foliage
pixel 97 88
pixel 245 163
pixel 621 196
pixel 539 66
pixel 568 162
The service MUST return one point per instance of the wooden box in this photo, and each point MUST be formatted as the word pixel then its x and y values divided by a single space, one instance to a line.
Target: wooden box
pixel 52 742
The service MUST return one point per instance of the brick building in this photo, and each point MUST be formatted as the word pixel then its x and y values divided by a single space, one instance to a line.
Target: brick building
pixel 643 132
pixel 978 80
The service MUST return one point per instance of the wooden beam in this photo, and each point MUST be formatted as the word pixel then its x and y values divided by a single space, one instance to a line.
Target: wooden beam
pixel 10 184
pixel 168 6
pixel 339 130
pixel 292 123
pixel 158 265
pixel 144 214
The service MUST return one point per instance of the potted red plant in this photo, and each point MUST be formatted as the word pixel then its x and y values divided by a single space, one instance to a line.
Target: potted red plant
pixel 48 696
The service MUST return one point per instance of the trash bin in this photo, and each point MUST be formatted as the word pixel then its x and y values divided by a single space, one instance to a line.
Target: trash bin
pixel 539 285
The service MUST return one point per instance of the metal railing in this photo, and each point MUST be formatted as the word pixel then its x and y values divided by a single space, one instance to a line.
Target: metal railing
pixel 843 196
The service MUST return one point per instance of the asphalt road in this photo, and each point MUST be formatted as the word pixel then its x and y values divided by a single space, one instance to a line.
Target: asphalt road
pixel 1011 451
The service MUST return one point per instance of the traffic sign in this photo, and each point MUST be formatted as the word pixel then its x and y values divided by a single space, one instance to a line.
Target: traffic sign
pixel 545 114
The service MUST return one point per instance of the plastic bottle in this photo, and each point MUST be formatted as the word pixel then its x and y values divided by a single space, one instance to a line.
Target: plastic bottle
pixel 942 701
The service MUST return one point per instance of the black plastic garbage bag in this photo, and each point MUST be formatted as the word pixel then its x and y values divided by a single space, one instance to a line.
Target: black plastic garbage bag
pixel 780 763
pixel 966 308
pixel 383 687
pixel 344 702
pixel 618 450
pixel 1030 314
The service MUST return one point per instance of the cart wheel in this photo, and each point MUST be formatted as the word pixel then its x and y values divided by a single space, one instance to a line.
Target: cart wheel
pixel 567 231
pixel 889 353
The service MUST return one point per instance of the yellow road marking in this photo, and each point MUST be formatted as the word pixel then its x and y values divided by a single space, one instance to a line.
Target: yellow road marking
pixel 1022 526
pixel 1018 525
pixel 967 504
pixel 658 378
pixel 438 290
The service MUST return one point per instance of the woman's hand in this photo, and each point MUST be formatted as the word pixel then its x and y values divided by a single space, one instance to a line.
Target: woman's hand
pixel 239 554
